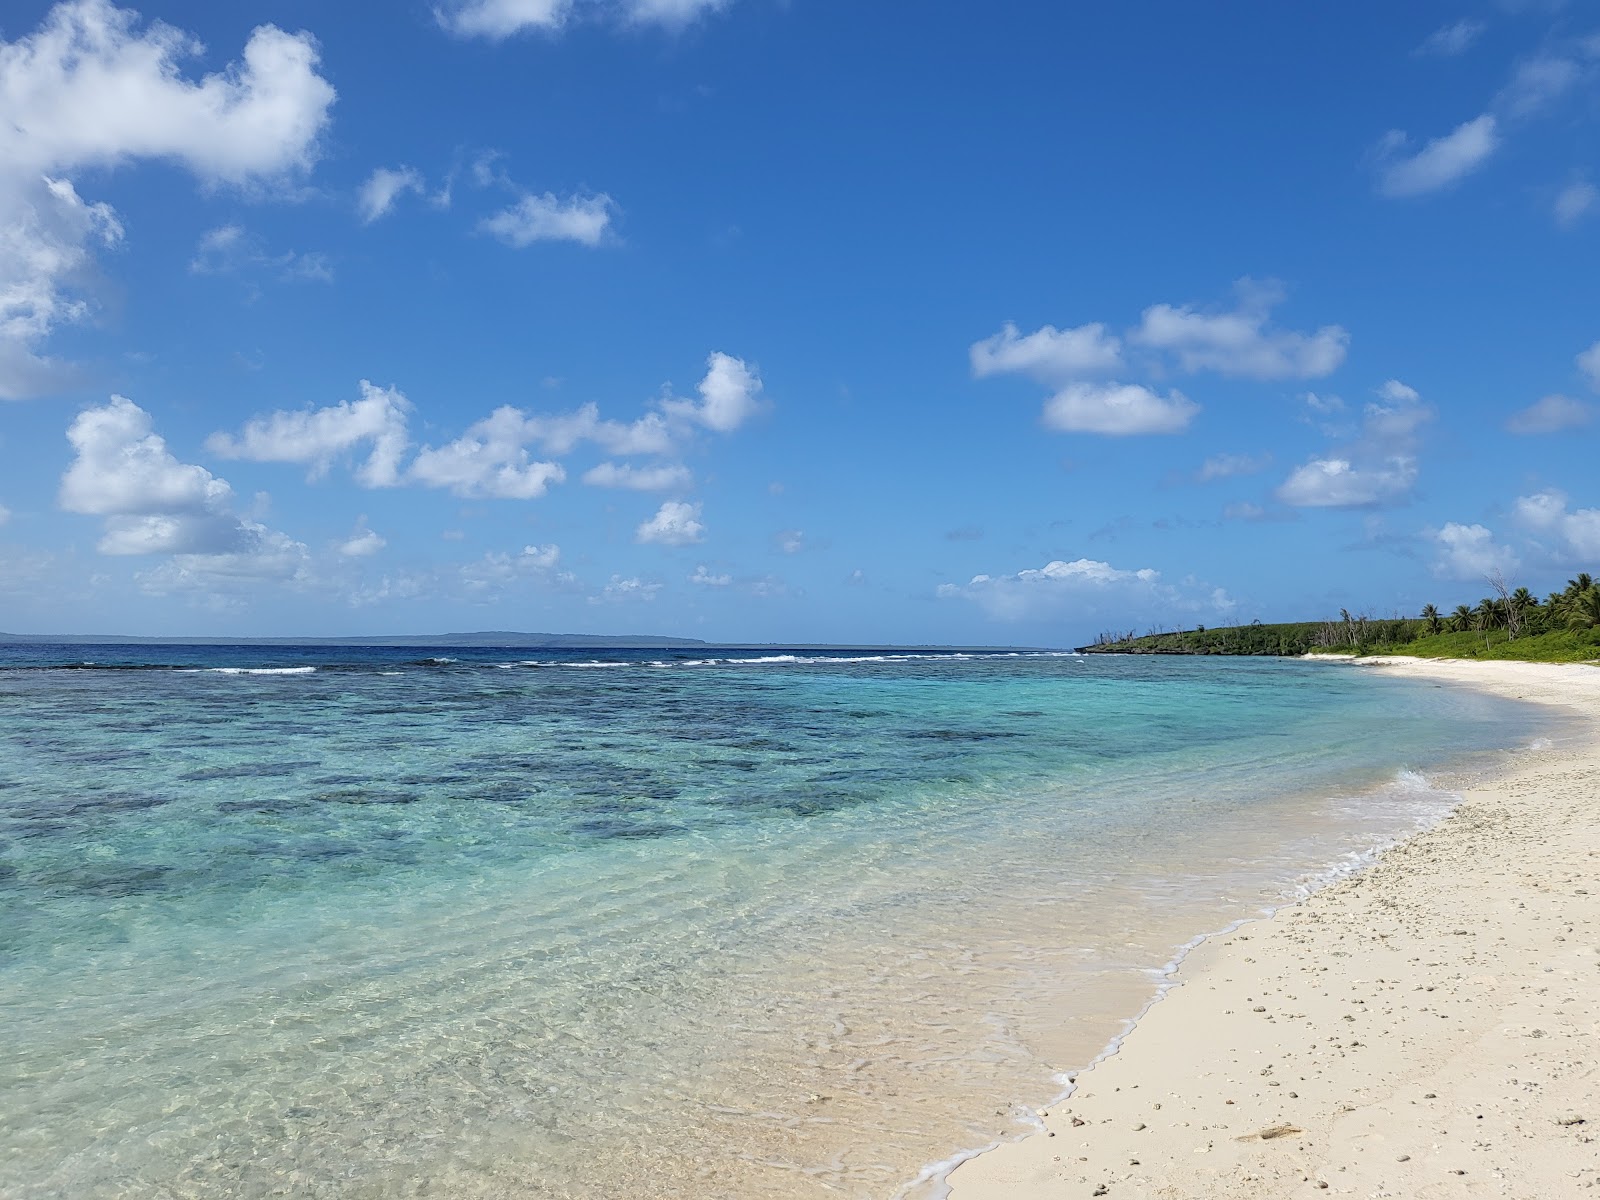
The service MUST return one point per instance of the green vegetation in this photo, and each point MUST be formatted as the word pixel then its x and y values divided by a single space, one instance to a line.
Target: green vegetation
pixel 1511 624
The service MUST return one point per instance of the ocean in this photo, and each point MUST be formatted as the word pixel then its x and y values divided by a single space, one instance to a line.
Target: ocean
pixel 356 922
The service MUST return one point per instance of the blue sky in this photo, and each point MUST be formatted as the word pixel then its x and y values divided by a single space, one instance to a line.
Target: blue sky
pixel 791 321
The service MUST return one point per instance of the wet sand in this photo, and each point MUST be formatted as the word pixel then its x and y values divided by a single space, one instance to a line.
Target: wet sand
pixel 1428 1028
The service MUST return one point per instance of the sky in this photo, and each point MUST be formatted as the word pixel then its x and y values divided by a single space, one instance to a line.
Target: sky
pixel 792 320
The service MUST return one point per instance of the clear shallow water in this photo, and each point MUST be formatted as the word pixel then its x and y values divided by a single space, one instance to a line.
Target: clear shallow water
pixel 368 922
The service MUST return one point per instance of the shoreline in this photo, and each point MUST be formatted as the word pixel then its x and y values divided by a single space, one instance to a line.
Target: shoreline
pixel 1323 1048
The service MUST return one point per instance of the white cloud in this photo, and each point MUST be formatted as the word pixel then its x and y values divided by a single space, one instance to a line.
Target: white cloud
pixel 1547 512
pixel 154 504
pixel 1326 405
pixel 500 19
pixel 1226 466
pixel 1589 363
pixel 1378 468
pixel 1048 354
pixel 1551 414
pixel 558 433
pixel 1244 511
pixel 675 523
pixel 791 541
pixel 489 460
pixel 1470 552
pixel 493 572
pixel 229 249
pixel 704 578
pixel 666 477
pixel 546 218
pixel 5 514
pixel 89 89
pixel 1574 202
pixel 318 437
pixel 1241 342
pixel 621 589
pixel 1056 584
pixel 540 558
pixel 1438 164
pixel 262 555
pixel 1338 483
pixel 46 231
pixel 730 394
pixel 383 187
pixel 1450 40
pixel 1117 409
pixel 363 543
pixel 671 12
pixel 123 468
pixel 1539 81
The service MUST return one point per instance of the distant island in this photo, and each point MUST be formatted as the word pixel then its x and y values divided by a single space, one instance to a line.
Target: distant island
pixel 485 639
pixel 1511 624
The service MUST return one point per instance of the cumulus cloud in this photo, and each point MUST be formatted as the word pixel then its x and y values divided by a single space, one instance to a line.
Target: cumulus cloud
pixel 703 577
pixel 546 218
pixel 91 89
pixel 1547 512
pixel 490 460
pixel 319 437
pixel 730 394
pixel 363 543
pixel 1339 483
pixel 1242 342
pixel 1452 39
pixel 383 187
pixel 1574 202
pixel 1470 552
pixel 1440 163
pixel 1118 409
pixel 501 19
pixel 665 477
pixel 1050 355
pixel 675 523
pixel 496 570
pixel 1226 466
pixel 1550 414
pixel 47 235
pixel 790 541
pixel 1035 591
pixel 559 433
pixel 261 555
pixel 153 503
pixel 1380 467
pixel 5 514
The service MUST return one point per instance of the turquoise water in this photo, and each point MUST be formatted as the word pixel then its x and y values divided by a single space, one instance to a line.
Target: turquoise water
pixel 355 922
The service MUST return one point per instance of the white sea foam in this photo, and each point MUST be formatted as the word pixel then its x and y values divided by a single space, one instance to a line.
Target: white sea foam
pixel 250 671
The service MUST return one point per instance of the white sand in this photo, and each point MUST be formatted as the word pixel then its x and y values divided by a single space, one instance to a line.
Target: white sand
pixel 1428 1028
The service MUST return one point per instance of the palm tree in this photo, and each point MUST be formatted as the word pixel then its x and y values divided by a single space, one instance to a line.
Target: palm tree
pixel 1583 612
pixel 1430 618
pixel 1487 615
pixel 1461 619
pixel 1576 587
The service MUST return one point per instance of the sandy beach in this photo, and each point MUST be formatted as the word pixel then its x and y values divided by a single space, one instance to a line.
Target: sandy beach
pixel 1427 1028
